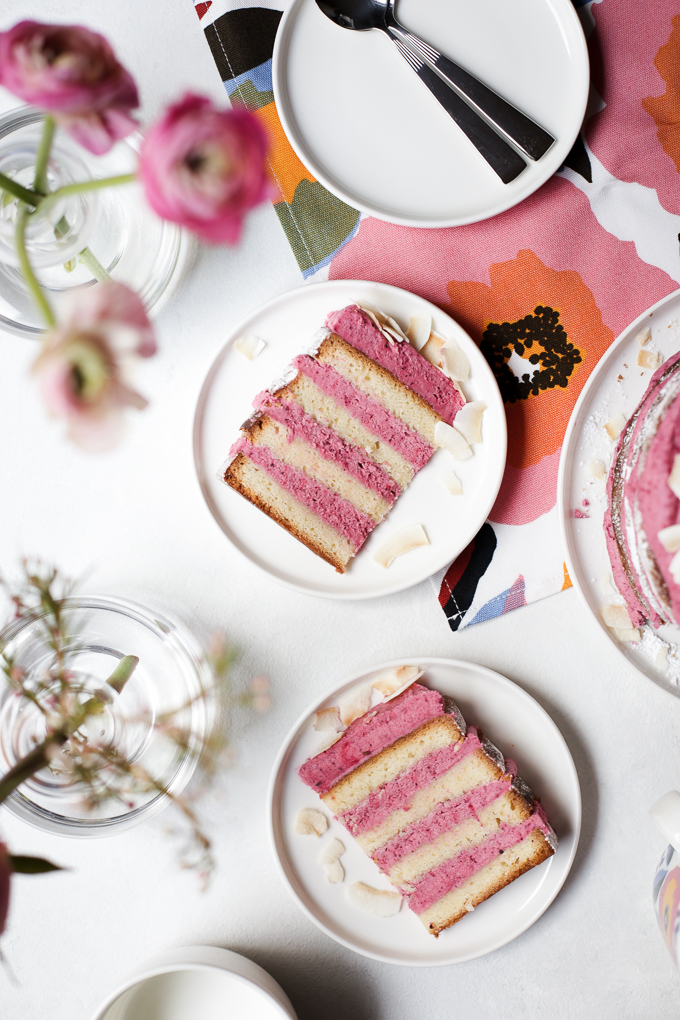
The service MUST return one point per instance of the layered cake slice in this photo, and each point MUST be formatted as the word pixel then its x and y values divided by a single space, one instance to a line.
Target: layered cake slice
pixel 437 807
pixel 329 450
pixel 642 519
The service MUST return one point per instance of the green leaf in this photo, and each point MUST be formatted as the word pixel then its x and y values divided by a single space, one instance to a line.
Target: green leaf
pixel 21 865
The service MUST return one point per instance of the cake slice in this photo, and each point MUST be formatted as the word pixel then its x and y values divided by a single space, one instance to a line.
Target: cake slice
pixel 329 450
pixel 436 806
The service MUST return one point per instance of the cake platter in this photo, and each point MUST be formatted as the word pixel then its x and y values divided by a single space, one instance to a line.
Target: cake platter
pixel 510 717
pixel 615 387
pixel 368 130
pixel 288 325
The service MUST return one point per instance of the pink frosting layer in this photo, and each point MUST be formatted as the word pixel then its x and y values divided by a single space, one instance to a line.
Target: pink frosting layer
pixel 329 444
pixel 458 869
pixel 370 734
pixel 369 412
pixel 398 794
pixel 401 359
pixel 331 508
pixel 445 816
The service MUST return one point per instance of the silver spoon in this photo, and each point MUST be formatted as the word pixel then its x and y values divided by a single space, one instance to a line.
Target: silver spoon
pixel 494 122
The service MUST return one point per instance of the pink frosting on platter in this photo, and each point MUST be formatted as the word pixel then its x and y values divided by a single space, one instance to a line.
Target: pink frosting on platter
pixel 452 873
pixel 326 504
pixel 329 444
pixel 370 734
pixel 445 816
pixel 369 412
pixel 354 326
pixel 398 794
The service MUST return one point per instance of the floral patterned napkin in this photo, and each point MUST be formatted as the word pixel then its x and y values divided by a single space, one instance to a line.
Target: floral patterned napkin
pixel 543 288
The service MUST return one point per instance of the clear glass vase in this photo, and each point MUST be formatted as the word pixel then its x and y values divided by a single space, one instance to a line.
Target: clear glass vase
pixel 171 673
pixel 133 245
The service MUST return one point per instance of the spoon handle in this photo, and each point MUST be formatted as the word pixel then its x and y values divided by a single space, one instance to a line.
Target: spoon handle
pixel 503 117
pixel 500 156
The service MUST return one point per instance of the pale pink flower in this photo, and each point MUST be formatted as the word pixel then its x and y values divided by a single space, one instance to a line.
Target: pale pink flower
pixel 5 879
pixel 85 365
pixel 205 168
pixel 71 73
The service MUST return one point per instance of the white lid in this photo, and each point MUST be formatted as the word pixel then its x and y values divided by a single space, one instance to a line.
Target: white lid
pixel 666 816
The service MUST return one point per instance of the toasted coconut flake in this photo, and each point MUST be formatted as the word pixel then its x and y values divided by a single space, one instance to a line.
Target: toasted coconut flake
pixel 380 902
pixel 331 852
pixel 419 329
pixel 674 477
pixel 661 658
pixel 451 439
pixel 310 822
pixel 334 872
pixel 627 634
pixel 249 346
pixel 616 616
pixel 432 350
pixel 402 541
pixel 614 426
pixel 400 690
pixel 327 741
pixel 644 337
pixel 394 681
pixel 607 586
pixel 468 421
pixel 394 326
pixel 596 469
pixel 328 719
pixel 371 314
pixel 452 482
pixel 674 567
pixel 391 334
pixel 670 538
pixel 648 359
pixel 355 704
pixel 455 361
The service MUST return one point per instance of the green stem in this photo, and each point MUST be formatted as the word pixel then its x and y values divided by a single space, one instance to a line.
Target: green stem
pixel 87 257
pixel 77 189
pixel 23 194
pixel 43 155
pixel 27 269
pixel 122 673
pixel 30 764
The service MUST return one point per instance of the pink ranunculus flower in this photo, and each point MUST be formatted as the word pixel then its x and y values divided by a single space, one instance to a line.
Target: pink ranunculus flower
pixel 85 366
pixel 71 73
pixel 205 168
pixel 5 879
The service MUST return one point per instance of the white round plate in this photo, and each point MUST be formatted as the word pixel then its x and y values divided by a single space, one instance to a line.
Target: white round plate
pixel 616 386
pixel 288 325
pixel 525 732
pixel 370 132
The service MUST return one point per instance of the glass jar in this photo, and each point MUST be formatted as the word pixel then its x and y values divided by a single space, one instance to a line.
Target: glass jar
pixel 133 245
pixel 171 673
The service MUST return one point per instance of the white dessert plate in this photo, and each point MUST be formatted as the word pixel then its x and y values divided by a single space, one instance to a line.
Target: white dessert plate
pixel 288 325
pixel 371 133
pixel 523 731
pixel 616 386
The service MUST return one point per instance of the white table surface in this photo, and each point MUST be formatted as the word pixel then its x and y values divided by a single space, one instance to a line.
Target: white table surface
pixel 135 524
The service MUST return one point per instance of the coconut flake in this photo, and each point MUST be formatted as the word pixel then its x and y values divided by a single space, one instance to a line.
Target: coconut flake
pixel 644 337
pixel 328 741
pixel 468 421
pixel 670 538
pixel 393 325
pixel 380 902
pixel 371 314
pixel 455 361
pixel 249 346
pixel 310 822
pixel 627 634
pixel 616 616
pixel 355 704
pixel 331 852
pixel 392 334
pixel 419 329
pixel 334 872
pixel 450 439
pixel 614 426
pixel 595 468
pixel 607 586
pixel 328 719
pixel 452 482
pixel 432 350
pixel 648 359
pixel 661 658
pixel 394 681
pixel 674 567
pixel 674 477
pixel 402 541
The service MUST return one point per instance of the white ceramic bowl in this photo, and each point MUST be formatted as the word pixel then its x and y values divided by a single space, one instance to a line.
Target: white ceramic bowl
pixel 198 982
